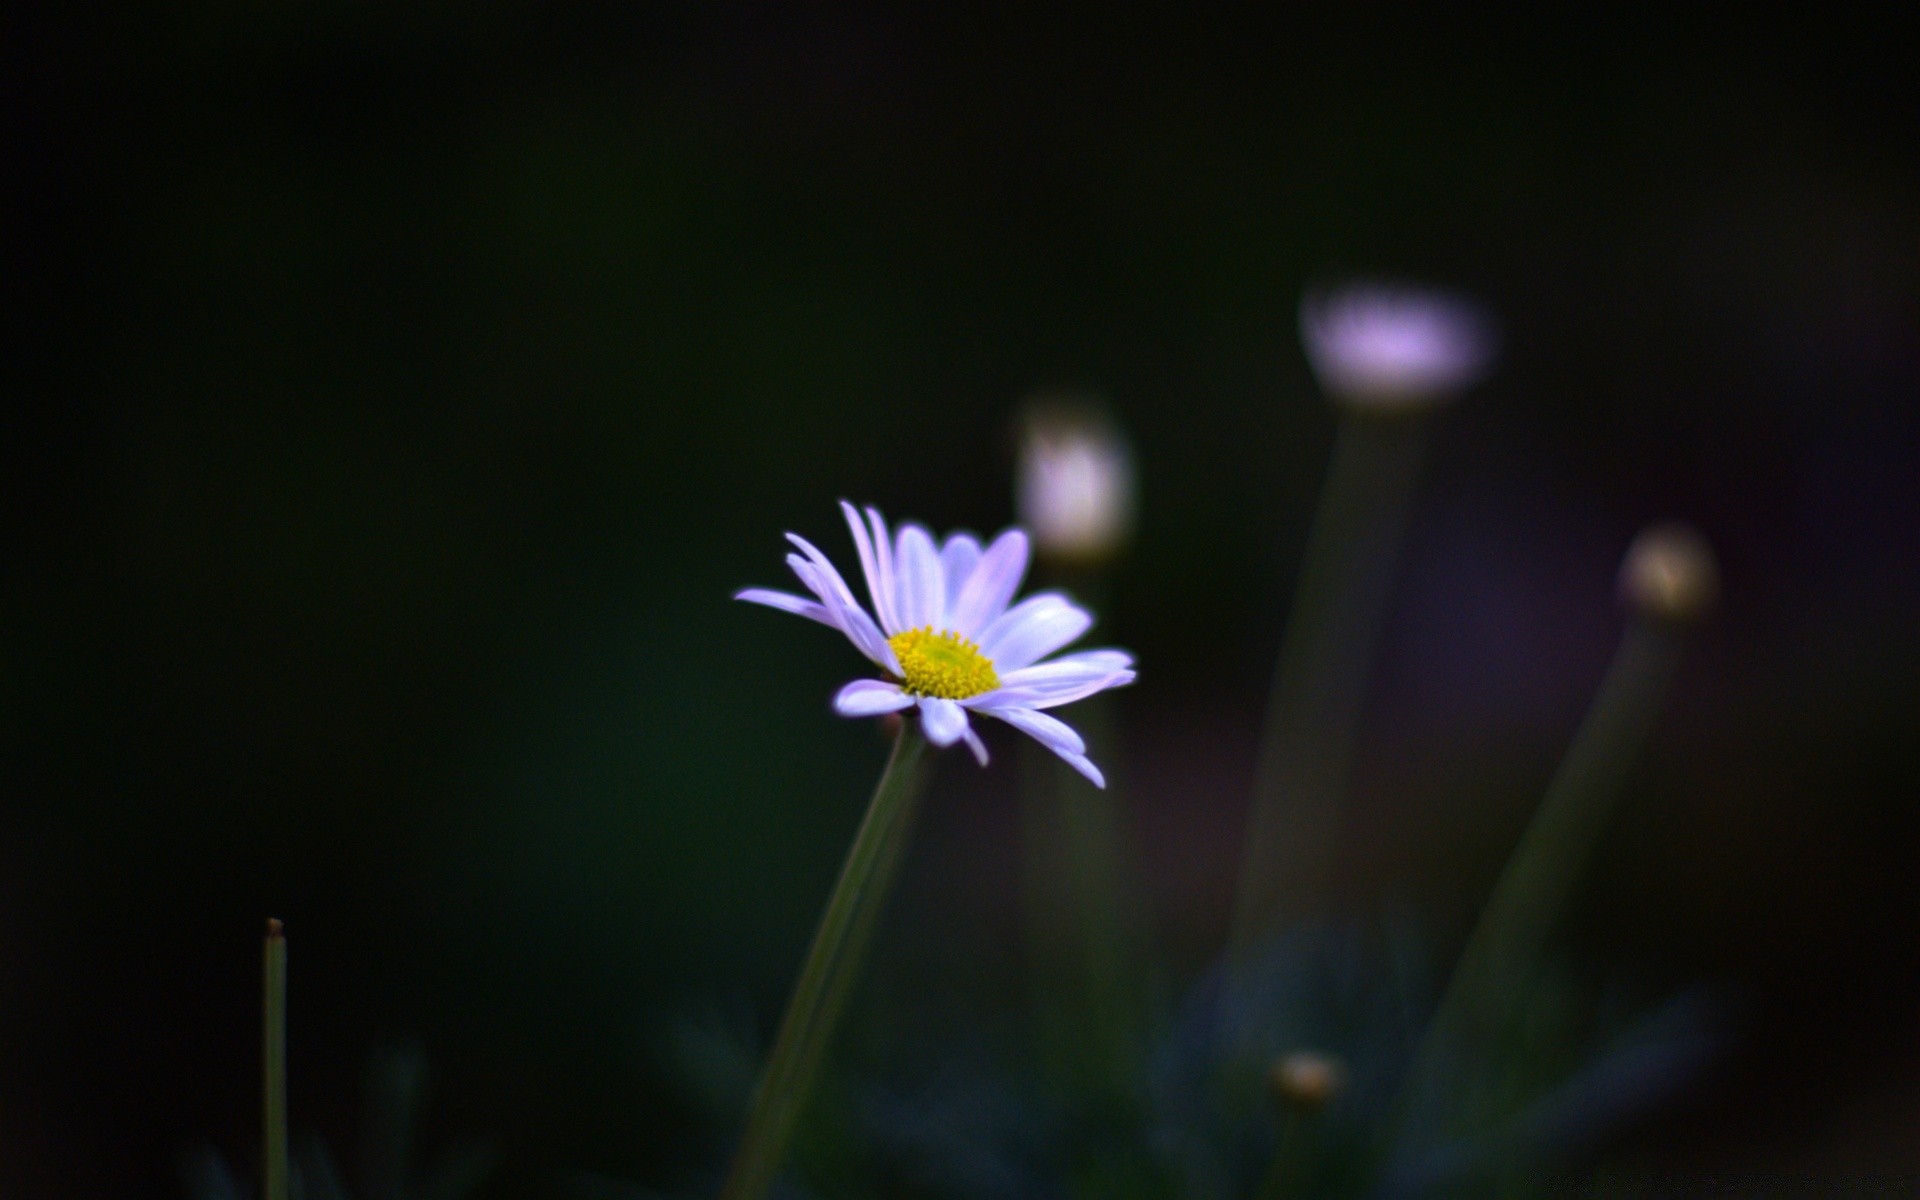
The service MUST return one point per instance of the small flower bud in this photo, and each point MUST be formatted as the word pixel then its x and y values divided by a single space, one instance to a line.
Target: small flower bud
pixel 1669 574
pixel 1388 348
pixel 1306 1080
pixel 1075 481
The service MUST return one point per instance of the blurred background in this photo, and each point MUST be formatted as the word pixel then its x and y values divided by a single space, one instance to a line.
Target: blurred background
pixel 399 392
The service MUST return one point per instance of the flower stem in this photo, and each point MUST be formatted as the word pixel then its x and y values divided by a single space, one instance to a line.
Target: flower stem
pixel 831 968
pixel 274 1061
pixel 1084 930
pixel 1547 863
pixel 1283 1176
pixel 1313 713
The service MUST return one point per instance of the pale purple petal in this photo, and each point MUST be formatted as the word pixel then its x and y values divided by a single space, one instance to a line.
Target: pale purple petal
pixel 1106 660
pixel 944 721
pixel 817 584
pixel 870 698
pixel 870 565
pixel 1049 685
pixel 832 586
pixel 1055 735
pixel 1059 671
pixel 810 576
pixel 788 602
pixel 870 640
pixel 820 585
pixel 921 598
pixel 957 559
pixel 1084 765
pixel 1020 613
pixel 974 744
pixel 883 560
pixel 991 586
pixel 1031 630
pixel 850 617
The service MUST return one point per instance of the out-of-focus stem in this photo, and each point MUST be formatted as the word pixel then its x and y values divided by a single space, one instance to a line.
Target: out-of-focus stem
pixel 830 971
pixel 1303 1083
pixel 273 1055
pixel 1547 864
pixel 1283 1177
pixel 1313 714
pixel 1082 927
pixel 1081 922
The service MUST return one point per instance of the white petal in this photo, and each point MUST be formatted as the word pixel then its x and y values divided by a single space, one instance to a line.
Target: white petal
pixel 1084 765
pixel 1055 735
pixel 870 698
pixel 974 744
pixel 883 561
pixel 921 598
pixel 1031 630
pixel 881 592
pixel 996 629
pixel 787 602
pixel 944 721
pixel 818 585
pixel 870 641
pixel 839 602
pixel 830 581
pixel 1050 685
pixel 810 575
pixel 1059 672
pixel 993 582
pixel 1105 660
pixel 957 559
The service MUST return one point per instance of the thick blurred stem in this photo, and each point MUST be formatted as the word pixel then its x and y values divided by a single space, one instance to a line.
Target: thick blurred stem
pixel 273 1057
pixel 832 967
pixel 1538 879
pixel 1313 714
pixel 1083 927
pixel 1284 1175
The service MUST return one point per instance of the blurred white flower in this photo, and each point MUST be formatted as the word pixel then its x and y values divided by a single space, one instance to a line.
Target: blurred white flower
pixel 1669 574
pixel 947 638
pixel 1387 347
pixel 1306 1080
pixel 1074 485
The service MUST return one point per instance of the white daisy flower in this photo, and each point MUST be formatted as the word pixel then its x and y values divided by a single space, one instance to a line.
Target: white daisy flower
pixel 1394 347
pixel 948 637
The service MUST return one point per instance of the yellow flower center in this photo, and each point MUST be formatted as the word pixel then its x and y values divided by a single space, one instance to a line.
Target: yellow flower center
pixel 941 664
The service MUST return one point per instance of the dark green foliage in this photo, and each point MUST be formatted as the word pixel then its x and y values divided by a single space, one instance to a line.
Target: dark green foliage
pixel 389 1164
pixel 933 1112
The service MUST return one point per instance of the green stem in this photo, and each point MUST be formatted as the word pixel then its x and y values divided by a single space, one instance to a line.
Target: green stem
pixel 274 1060
pixel 1083 928
pixel 1086 928
pixel 1281 1180
pixel 1540 876
pixel 1313 713
pixel 1093 852
pixel 831 968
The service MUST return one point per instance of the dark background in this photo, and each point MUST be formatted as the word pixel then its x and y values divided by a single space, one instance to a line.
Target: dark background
pixel 400 390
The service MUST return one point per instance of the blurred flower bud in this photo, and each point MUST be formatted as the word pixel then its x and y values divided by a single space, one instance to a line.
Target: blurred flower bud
pixel 1075 483
pixel 1391 348
pixel 1669 574
pixel 1305 1080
